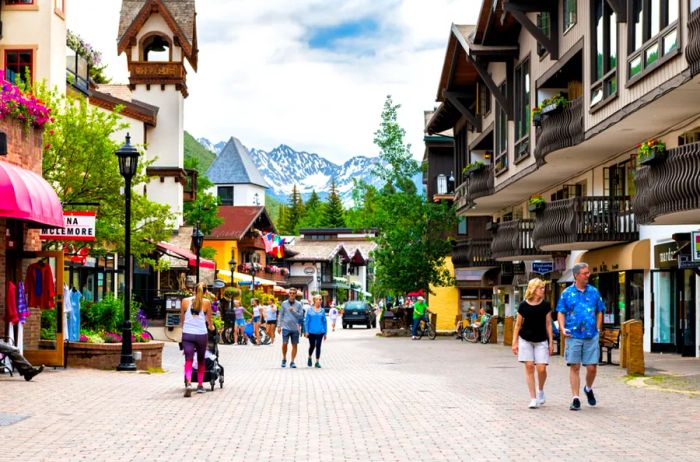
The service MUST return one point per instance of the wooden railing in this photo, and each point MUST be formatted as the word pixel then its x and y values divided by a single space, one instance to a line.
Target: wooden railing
pixel 586 219
pixel 559 131
pixel 249 242
pixel 472 253
pixel 670 186
pixel 692 50
pixel 461 203
pixel 480 183
pixel 514 239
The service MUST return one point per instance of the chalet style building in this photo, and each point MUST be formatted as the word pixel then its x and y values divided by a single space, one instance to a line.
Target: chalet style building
pixel 576 137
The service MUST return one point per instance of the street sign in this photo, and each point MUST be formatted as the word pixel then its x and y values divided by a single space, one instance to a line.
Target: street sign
pixel 542 267
pixel 77 226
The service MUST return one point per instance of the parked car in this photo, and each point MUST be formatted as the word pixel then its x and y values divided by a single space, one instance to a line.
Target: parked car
pixel 357 313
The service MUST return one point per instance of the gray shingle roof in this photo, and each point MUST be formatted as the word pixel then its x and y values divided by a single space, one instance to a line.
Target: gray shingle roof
pixel 234 166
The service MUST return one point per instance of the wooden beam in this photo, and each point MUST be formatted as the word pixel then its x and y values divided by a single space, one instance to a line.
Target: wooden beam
pixel 494 53
pixel 453 67
pixel 453 97
pixel 620 9
pixel 529 6
pixel 493 88
pixel 550 44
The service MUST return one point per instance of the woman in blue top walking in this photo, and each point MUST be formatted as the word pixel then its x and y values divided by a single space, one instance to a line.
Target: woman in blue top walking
pixel 315 328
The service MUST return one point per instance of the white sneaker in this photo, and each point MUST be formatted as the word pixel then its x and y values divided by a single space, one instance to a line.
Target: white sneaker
pixel 533 404
pixel 540 398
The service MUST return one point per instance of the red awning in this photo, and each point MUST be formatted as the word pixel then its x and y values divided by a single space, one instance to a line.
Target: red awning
pixel 185 255
pixel 27 196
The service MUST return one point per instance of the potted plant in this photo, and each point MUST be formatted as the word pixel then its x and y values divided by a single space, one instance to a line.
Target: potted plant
pixel 535 204
pixel 537 116
pixel 651 152
pixel 473 167
pixel 553 105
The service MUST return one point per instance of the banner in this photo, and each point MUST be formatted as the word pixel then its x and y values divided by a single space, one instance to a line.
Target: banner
pixel 78 226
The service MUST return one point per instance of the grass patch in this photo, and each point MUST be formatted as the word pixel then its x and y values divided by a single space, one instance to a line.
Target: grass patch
pixel 156 370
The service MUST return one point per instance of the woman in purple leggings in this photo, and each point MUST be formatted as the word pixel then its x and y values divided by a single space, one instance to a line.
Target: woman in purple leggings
pixel 196 316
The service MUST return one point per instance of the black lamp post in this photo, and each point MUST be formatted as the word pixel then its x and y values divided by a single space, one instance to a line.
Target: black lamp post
pixel 253 270
pixel 128 157
pixel 232 267
pixel 197 241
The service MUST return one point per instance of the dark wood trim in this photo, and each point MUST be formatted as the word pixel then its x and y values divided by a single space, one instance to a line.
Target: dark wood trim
pixel 620 9
pixel 510 90
pixel 453 67
pixel 134 111
pixel 486 77
pixel 564 60
pixel 484 134
pixel 529 6
pixel 494 53
pixel 549 44
pixel 179 174
pixel 453 97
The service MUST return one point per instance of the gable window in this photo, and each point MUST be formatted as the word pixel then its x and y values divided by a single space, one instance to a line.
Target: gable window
pixel 653 35
pixel 569 14
pixel 522 110
pixel 501 159
pixel 225 195
pixel 603 53
pixel 19 63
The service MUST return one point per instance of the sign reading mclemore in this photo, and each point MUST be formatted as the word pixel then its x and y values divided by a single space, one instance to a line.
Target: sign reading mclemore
pixel 78 226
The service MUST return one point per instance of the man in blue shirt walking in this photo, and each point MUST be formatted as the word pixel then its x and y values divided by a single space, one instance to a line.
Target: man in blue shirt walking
pixel 290 319
pixel 580 313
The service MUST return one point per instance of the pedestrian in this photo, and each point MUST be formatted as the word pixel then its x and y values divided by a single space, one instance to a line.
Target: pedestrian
pixel 196 317
pixel 580 313
pixel 257 314
pixel 316 328
pixel 532 338
pixel 271 318
pixel 419 310
pixel 290 320
pixel 238 311
pixel 333 314
pixel 18 361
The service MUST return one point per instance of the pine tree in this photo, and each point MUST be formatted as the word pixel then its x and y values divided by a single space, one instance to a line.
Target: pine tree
pixel 333 215
pixel 313 209
pixel 296 211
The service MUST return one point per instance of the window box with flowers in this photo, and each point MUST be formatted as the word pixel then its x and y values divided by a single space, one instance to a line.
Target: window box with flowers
pixel 535 204
pixel 536 116
pixel 548 107
pixel 651 152
pixel 473 167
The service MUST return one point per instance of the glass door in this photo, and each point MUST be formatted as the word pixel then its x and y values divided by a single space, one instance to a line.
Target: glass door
pixel 686 313
pixel 663 313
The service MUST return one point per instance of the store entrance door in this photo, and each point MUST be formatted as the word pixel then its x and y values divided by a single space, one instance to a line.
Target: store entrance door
pixel 51 352
pixel 686 312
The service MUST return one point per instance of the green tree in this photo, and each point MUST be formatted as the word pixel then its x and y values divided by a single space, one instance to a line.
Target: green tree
pixel 79 161
pixel 295 211
pixel 313 211
pixel 363 213
pixel 204 210
pixel 333 211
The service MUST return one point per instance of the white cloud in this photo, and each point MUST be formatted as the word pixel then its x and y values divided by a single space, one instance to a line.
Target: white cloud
pixel 258 79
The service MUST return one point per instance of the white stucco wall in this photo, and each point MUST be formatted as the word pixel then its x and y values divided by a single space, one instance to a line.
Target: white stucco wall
pixel 297 269
pixel 243 194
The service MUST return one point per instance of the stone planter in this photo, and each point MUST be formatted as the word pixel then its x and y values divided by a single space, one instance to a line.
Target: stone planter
pixel 107 355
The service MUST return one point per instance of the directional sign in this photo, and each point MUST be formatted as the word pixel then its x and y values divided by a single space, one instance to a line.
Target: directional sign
pixel 542 267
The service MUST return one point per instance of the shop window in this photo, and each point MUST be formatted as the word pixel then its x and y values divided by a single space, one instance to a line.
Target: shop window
pixel 225 195
pixel 603 53
pixel 19 64
pixel 522 111
pixel 569 14
pixel 501 159
pixel 653 35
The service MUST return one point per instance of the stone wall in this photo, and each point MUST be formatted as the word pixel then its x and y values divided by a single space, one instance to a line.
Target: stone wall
pixel 107 355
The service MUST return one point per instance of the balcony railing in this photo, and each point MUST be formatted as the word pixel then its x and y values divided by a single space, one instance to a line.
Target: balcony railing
pixel 472 253
pixel 461 203
pixel 692 50
pixel 669 191
pixel 480 183
pixel 249 242
pixel 156 72
pixel 581 223
pixel 560 130
pixel 513 241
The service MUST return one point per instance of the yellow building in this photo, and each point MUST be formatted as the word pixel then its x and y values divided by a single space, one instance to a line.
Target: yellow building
pixel 444 301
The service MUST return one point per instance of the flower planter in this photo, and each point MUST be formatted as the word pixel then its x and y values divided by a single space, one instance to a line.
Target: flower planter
pixel 107 356
pixel 551 109
pixel 537 119
pixel 654 157
pixel 534 208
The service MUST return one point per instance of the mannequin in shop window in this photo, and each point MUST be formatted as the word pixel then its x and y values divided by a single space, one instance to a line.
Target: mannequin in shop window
pixel 19 362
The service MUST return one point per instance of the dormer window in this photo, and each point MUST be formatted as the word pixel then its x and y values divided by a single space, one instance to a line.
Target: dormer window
pixel 156 49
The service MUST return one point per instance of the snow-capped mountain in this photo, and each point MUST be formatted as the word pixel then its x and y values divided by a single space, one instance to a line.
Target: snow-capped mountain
pixel 283 167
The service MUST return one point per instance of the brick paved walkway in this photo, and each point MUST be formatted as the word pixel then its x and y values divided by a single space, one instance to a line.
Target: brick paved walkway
pixel 375 399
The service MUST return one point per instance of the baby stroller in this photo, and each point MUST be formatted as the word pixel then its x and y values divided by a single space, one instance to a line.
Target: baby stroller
pixel 249 334
pixel 215 371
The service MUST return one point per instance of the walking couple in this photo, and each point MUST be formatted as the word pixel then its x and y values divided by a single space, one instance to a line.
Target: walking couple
pixel 315 327
pixel 580 311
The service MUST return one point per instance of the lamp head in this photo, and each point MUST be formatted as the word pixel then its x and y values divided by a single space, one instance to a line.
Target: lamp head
pixel 197 239
pixel 128 157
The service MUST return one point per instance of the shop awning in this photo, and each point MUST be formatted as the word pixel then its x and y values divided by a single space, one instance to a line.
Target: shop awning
pixel 632 256
pixel 185 254
pixel 245 279
pixel 27 196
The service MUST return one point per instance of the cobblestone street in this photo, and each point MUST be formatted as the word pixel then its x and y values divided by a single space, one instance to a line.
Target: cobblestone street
pixel 375 399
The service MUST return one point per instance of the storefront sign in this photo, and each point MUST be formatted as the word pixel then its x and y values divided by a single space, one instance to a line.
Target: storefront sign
pixel 309 270
pixel 695 246
pixel 542 267
pixel 665 255
pixel 685 262
pixel 78 226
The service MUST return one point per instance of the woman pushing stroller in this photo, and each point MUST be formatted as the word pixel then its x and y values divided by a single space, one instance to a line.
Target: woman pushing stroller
pixel 195 316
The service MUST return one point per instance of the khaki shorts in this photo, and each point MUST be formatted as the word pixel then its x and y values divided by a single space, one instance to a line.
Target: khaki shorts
pixel 536 352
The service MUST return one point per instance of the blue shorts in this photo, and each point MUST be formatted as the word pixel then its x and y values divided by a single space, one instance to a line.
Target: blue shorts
pixel 256 319
pixel 584 351
pixel 293 334
pixel 240 322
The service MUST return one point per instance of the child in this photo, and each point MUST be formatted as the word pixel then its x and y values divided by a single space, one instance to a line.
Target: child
pixel 333 314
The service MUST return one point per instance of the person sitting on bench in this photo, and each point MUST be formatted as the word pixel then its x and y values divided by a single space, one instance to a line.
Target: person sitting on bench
pixel 18 361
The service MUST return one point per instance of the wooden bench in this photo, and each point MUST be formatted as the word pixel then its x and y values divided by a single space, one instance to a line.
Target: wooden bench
pixel 609 339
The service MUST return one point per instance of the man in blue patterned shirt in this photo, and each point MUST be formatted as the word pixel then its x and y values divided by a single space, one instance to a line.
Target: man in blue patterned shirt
pixel 580 315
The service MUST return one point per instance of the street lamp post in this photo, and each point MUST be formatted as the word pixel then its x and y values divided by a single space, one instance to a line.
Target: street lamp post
pixel 252 275
pixel 197 241
pixel 128 157
pixel 232 267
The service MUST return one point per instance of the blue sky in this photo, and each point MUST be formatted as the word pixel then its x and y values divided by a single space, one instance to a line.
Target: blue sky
pixel 312 74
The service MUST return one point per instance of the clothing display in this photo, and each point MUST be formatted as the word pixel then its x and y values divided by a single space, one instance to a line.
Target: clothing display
pixel 22 306
pixel 11 315
pixel 40 286
pixel 74 319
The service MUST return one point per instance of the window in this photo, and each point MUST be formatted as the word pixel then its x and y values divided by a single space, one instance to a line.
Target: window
pixel 544 24
pixel 653 34
pixel 604 52
pixel 618 180
pixel 501 159
pixel 485 99
pixel 569 14
pixel 225 194
pixel 522 110
pixel 18 63
pixel 462 226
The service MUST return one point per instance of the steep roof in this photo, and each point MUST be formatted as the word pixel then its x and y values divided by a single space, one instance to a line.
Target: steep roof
pixel 180 16
pixel 238 220
pixel 317 250
pixel 235 166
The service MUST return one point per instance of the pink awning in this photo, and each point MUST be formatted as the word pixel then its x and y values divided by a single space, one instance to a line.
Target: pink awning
pixel 185 255
pixel 27 196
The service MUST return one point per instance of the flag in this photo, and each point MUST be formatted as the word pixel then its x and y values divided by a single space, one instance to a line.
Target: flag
pixel 278 248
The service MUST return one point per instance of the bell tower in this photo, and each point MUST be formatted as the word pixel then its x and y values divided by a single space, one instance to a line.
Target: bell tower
pixel 158 36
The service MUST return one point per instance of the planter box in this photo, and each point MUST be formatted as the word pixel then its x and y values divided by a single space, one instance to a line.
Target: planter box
pixel 475 168
pixel 108 355
pixel 537 119
pixel 534 208
pixel 551 109
pixel 654 157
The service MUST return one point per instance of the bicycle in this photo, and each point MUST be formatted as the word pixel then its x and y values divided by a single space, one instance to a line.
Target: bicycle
pixel 471 333
pixel 425 326
pixel 486 330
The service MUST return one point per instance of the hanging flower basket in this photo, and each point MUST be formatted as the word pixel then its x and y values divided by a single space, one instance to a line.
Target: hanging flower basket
pixel 651 152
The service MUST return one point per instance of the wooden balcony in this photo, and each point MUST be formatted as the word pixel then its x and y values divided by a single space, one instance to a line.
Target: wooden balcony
pixel 480 183
pixel 513 241
pixel 249 242
pixel 461 203
pixel 668 192
pixel 692 50
pixel 561 130
pixel 472 253
pixel 583 223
